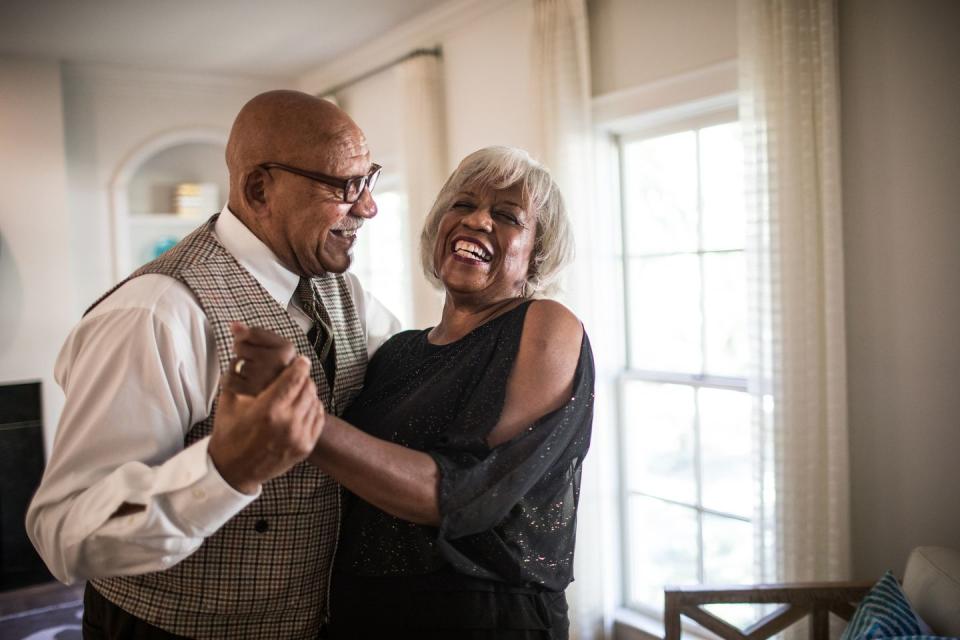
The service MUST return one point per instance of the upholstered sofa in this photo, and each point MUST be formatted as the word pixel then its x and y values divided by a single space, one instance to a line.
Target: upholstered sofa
pixel 931 583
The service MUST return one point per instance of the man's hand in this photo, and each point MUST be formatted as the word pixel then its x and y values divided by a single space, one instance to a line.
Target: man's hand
pixel 259 438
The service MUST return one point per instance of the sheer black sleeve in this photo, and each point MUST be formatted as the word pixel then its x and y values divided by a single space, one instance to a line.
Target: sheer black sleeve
pixel 509 513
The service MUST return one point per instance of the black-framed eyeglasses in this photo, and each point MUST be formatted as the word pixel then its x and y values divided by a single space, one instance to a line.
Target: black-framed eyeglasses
pixel 351 187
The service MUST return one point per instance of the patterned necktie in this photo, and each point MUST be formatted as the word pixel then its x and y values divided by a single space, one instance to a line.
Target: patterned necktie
pixel 320 334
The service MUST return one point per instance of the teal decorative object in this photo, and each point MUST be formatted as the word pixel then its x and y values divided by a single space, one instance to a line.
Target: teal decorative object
pixel 162 245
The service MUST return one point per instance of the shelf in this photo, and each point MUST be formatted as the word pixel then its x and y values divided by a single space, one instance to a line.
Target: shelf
pixel 146 185
pixel 166 219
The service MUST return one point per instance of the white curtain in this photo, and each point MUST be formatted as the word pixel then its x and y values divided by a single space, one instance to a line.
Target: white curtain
pixel 422 128
pixel 789 108
pixel 562 71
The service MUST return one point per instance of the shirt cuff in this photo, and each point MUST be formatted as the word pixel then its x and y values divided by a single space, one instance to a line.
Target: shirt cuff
pixel 207 503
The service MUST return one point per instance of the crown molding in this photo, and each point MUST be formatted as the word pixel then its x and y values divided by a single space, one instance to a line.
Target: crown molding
pixel 81 76
pixel 425 30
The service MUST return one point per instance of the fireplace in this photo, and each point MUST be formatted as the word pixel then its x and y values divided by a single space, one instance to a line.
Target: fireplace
pixel 21 466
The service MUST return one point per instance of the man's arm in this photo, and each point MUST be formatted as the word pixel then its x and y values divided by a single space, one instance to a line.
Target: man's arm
pixel 136 379
pixel 120 494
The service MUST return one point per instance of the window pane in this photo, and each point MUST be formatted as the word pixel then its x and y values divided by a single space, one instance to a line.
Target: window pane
pixel 658 423
pixel 725 307
pixel 728 559
pixel 381 262
pixel 725 451
pixel 660 195
pixel 663 548
pixel 721 184
pixel 727 550
pixel 664 313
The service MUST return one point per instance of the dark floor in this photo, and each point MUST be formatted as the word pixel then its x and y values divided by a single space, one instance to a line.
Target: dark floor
pixel 43 612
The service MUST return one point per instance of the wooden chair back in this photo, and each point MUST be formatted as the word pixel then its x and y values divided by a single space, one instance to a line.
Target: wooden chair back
pixel 816 600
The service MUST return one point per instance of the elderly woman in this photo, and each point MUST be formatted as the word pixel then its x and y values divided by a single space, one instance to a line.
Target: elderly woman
pixel 462 453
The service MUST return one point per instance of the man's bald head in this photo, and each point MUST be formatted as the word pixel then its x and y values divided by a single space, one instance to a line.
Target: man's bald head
pixel 307 224
pixel 292 128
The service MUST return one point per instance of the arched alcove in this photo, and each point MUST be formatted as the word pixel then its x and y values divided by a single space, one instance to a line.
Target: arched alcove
pixel 143 191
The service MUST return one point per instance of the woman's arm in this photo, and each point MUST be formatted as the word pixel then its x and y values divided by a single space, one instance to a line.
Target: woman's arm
pixel 394 478
pixel 398 480
pixel 404 482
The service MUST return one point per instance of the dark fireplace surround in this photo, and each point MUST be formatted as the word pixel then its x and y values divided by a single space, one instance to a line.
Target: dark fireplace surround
pixel 21 466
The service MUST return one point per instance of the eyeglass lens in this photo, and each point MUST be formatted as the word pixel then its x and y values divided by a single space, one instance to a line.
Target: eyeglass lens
pixel 355 186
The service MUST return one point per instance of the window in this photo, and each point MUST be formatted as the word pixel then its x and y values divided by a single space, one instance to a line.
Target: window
pixel 381 256
pixel 687 480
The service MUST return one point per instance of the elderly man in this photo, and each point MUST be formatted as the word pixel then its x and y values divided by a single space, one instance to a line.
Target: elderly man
pixel 188 508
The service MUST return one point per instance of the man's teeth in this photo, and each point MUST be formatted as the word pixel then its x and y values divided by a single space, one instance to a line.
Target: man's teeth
pixel 471 250
pixel 347 233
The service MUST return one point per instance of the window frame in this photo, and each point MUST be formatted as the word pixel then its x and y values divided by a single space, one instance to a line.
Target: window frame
pixel 664 122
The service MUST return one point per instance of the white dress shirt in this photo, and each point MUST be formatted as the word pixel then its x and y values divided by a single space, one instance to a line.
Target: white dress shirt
pixel 138 372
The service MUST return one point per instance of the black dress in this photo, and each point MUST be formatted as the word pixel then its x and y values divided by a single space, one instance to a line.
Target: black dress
pixel 497 565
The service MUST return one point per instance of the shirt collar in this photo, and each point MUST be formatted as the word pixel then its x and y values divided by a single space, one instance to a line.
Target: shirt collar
pixel 256 257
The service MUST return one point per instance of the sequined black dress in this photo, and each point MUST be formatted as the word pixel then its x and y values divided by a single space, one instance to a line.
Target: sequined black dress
pixel 498 563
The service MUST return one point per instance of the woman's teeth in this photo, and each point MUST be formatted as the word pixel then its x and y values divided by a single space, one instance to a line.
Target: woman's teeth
pixel 471 250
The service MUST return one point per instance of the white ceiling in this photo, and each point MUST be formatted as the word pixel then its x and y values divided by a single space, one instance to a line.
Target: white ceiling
pixel 251 37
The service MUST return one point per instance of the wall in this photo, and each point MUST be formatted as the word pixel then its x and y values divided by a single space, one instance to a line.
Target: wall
pixel 36 296
pixel 365 102
pixel 489 84
pixel 901 155
pixel 633 42
pixel 487 73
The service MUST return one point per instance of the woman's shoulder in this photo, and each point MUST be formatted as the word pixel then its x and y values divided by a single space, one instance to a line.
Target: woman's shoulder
pixel 552 341
pixel 549 321
pixel 544 370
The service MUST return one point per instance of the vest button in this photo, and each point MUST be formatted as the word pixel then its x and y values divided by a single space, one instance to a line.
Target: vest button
pixel 261 526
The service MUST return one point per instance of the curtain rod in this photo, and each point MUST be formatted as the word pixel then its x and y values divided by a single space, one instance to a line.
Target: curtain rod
pixel 363 76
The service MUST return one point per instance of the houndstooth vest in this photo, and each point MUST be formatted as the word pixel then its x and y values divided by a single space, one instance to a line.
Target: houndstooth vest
pixel 266 573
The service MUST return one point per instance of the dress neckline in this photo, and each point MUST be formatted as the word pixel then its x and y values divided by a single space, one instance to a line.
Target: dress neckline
pixel 424 334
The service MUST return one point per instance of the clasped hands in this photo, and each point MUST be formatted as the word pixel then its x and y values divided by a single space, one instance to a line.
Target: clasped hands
pixel 268 415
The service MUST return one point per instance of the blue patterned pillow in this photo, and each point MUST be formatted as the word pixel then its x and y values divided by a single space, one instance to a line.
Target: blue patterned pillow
pixel 884 613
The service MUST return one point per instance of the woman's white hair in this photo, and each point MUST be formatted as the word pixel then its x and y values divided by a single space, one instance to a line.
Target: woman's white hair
pixel 501 168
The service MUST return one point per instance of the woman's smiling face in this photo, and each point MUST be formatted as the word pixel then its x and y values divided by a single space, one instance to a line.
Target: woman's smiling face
pixel 485 241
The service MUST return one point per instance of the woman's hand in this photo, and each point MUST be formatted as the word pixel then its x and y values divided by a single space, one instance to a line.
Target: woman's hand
pixel 268 414
pixel 261 356
pixel 256 439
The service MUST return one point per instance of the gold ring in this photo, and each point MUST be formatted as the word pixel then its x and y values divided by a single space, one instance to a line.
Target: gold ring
pixel 238 367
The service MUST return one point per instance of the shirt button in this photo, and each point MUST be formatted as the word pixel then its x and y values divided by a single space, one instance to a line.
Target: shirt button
pixel 199 494
pixel 261 526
